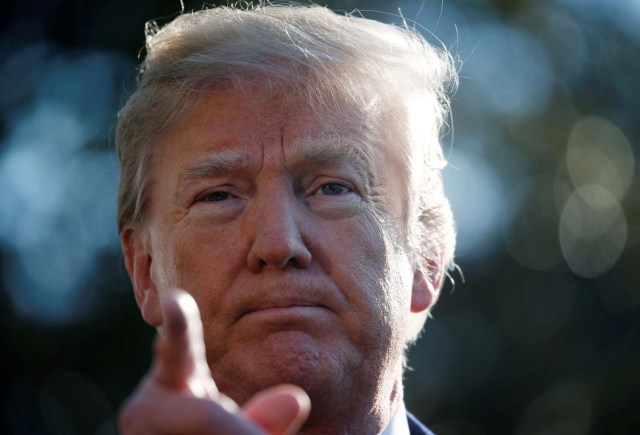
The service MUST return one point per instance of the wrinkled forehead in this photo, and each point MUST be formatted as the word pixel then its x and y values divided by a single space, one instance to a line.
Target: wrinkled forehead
pixel 370 124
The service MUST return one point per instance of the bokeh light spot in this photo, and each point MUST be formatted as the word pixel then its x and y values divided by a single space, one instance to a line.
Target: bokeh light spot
pixel 593 231
pixel 58 211
pixel 599 153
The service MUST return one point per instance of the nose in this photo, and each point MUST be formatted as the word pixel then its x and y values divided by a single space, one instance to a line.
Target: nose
pixel 278 241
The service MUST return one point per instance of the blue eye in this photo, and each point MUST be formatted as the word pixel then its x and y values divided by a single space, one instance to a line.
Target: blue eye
pixel 216 196
pixel 334 189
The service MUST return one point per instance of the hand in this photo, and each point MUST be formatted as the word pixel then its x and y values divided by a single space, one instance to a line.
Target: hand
pixel 179 396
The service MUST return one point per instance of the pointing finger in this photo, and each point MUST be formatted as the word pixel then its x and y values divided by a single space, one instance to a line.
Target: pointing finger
pixel 180 358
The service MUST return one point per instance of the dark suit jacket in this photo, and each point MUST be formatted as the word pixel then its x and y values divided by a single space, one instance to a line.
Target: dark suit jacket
pixel 416 427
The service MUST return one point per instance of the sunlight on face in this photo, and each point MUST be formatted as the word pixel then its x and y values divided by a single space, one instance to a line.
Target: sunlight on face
pixel 284 225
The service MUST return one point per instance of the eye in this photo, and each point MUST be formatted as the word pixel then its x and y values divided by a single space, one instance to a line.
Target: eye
pixel 334 189
pixel 333 198
pixel 215 196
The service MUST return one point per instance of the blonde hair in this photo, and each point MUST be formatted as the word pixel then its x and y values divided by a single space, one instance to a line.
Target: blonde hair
pixel 312 52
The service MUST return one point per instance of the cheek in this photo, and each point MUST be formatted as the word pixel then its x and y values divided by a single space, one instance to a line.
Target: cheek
pixel 198 259
pixel 202 253
pixel 163 265
pixel 376 272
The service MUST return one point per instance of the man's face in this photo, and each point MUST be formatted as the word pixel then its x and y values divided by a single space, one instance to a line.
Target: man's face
pixel 288 228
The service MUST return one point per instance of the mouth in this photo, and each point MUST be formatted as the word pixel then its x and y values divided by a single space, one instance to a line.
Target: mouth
pixel 285 311
pixel 296 301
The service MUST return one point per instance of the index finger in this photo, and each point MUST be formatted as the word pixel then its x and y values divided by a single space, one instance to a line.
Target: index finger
pixel 180 359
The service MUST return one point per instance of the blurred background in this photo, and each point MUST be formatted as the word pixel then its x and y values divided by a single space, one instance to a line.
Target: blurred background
pixel 540 336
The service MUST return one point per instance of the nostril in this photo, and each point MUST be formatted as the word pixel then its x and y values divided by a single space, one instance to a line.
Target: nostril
pixel 278 253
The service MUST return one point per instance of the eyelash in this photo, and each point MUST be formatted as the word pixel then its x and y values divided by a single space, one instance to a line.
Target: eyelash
pixel 344 188
pixel 206 197
pixel 222 195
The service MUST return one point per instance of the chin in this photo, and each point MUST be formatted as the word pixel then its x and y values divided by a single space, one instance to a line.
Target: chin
pixel 290 357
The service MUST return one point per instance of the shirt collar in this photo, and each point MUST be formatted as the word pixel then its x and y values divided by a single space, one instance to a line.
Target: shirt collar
pixel 398 424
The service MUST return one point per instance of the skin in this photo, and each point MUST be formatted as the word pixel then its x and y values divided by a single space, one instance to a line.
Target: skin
pixel 296 259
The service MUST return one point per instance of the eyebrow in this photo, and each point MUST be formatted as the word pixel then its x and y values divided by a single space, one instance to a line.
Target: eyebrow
pixel 214 165
pixel 333 151
pixel 323 151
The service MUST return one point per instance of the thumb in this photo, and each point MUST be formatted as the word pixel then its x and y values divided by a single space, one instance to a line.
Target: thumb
pixel 279 410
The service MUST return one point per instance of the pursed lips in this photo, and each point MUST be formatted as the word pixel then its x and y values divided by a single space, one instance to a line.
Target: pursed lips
pixel 282 306
pixel 280 298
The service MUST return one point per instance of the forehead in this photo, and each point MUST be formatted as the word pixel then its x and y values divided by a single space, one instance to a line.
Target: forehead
pixel 253 119
pixel 260 113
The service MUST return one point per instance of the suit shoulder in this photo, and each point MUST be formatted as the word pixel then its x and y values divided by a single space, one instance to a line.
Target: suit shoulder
pixel 416 427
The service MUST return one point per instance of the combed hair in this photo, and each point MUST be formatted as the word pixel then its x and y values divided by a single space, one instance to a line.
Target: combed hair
pixel 308 52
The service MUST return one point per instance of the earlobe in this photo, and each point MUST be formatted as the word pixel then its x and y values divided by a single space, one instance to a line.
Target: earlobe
pixel 426 289
pixel 138 262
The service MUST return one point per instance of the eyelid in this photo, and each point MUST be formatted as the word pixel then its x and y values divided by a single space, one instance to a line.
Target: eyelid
pixel 221 189
pixel 321 181
pixel 346 186
pixel 206 196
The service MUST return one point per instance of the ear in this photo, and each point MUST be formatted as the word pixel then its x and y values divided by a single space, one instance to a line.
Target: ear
pixel 137 259
pixel 426 289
